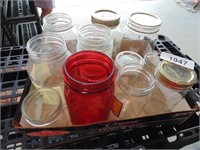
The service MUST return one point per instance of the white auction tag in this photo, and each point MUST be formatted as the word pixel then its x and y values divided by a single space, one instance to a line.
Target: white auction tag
pixel 177 60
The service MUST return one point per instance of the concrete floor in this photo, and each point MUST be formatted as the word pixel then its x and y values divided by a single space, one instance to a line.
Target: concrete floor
pixel 180 25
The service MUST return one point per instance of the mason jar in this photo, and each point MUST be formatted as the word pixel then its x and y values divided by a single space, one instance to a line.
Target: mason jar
pixel 47 54
pixel 43 107
pixel 142 26
pixel 172 84
pixel 89 86
pixel 110 19
pixel 133 88
pixel 62 24
pixel 95 37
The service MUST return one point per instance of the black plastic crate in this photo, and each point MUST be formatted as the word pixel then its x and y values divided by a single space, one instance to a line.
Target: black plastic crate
pixel 141 138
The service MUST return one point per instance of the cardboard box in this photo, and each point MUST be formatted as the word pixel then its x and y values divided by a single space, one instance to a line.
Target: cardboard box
pixel 181 113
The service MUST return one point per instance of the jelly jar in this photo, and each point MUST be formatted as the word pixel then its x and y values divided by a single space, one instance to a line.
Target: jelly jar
pixel 89 86
pixel 47 54
pixel 62 24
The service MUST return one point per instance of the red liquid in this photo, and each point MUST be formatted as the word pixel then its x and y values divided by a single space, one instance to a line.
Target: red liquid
pixel 90 99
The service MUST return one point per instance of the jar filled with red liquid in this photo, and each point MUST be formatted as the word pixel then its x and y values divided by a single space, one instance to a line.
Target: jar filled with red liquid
pixel 89 86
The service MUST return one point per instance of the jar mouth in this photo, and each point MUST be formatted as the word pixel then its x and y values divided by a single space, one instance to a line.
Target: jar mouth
pixel 135 79
pixel 94 35
pixel 36 106
pixel 46 46
pixel 85 82
pixel 57 22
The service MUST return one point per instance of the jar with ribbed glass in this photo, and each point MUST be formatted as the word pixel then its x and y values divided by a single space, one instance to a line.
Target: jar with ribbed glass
pixel 133 88
pixel 62 24
pixel 112 20
pixel 172 84
pixel 95 37
pixel 142 26
pixel 47 54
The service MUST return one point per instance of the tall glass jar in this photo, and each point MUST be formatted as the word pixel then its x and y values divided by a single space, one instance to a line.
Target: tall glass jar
pixel 95 37
pixel 132 91
pixel 112 20
pixel 43 107
pixel 62 24
pixel 89 86
pixel 142 26
pixel 47 54
pixel 172 84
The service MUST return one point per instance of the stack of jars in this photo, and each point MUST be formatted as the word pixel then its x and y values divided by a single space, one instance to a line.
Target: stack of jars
pixel 98 80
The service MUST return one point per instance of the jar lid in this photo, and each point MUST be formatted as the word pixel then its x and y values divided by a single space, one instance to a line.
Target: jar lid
pixel 144 22
pixel 175 76
pixel 128 57
pixel 106 17
pixel 41 106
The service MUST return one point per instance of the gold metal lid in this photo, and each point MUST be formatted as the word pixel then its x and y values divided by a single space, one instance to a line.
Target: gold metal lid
pixel 175 76
pixel 106 17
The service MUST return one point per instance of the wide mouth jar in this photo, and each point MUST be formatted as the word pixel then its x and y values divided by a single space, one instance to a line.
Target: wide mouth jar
pixel 57 22
pixel 89 71
pixel 95 37
pixel 135 80
pixel 41 107
pixel 46 47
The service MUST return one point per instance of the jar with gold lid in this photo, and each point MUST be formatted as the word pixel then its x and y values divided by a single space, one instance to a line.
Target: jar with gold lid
pixel 110 19
pixel 172 84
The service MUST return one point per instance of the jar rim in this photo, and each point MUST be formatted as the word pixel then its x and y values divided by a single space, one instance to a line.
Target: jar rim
pixel 137 69
pixel 101 84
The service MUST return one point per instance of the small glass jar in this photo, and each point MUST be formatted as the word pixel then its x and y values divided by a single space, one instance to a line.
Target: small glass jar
pixel 127 57
pixel 95 37
pixel 47 54
pixel 89 86
pixel 62 24
pixel 172 84
pixel 132 90
pixel 110 19
pixel 43 108
pixel 142 26
pixel 151 61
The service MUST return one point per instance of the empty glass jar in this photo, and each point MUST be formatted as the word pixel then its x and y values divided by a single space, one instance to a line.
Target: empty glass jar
pixel 112 20
pixel 47 54
pixel 133 88
pixel 142 26
pixel 95 37
pixel 62 24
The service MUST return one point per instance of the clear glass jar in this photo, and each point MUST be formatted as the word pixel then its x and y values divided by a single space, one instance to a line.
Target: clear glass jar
pixel 132 91
pixel 127 57
pixel 151 61
pixel 95 37
pixel 47 54
pixel 62 24
pixel 172 84
pixel 142 26
pixel 89 86
pixel 110 19
pixel 43 107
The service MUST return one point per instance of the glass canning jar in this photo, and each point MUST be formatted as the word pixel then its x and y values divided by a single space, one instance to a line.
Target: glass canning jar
pixel 47 54
pixel 62 24
pixel 133 88
pixel 127 57
pixel 43 107
pixel 172 84
pixel 110 19
pixel 89 86
pixel 142 26
pixel 95 37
